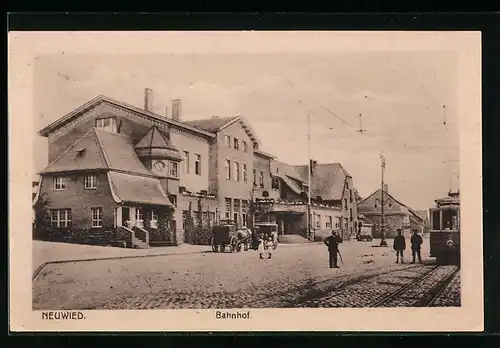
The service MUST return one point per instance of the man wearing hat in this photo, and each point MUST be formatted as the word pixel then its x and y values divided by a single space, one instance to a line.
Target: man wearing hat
pixel 332 242
pixel 416 242
pixel 399 245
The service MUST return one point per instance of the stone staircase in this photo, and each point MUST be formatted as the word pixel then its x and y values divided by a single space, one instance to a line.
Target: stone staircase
pixel 292 239
pixel 139 244
pixel 140 238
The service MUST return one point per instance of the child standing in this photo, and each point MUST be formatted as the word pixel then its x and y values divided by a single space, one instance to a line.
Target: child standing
pixel 260 246
pixel 269 247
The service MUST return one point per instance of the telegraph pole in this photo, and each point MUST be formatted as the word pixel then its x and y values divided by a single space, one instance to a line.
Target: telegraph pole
pixel 309 174
pixel 382 217
pixel 361 130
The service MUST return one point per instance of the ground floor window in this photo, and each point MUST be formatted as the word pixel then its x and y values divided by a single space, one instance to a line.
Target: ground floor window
pixel 184 218
pixel 139 217
pixel 318 221
pixel 96 217
pixel 227 213
pixel 153 219
pixel 244 219
pixel 328 222
pixel 61 217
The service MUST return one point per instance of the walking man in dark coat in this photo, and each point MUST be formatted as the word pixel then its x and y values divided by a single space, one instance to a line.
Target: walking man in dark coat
pixel 416 242
pixel 332 242
pixel 399 245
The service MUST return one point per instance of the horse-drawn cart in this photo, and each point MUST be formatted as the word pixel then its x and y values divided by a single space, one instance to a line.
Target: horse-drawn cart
pixel 227 234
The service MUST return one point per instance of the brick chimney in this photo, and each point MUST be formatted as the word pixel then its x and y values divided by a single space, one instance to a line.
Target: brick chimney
pixel 176 109
pixel 148 99
pixel 386 188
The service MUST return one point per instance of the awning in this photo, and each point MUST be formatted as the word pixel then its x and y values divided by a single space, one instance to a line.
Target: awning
pixel 137 189
pixel 294 187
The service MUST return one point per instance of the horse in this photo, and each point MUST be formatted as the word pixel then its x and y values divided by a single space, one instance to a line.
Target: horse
pixel 244 236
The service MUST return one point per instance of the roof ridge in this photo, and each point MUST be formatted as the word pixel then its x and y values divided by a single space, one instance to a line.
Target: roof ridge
pixel 102 98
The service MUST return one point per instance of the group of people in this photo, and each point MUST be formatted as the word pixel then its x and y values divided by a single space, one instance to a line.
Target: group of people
pixel 333 241
pixel 400 245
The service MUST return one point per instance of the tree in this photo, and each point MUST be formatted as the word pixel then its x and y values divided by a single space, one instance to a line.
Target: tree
pixel 357 197
pixel 189 227
pixel 43 224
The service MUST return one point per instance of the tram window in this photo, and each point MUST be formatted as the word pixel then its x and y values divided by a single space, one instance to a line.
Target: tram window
pixel 436 220
pixel 448 219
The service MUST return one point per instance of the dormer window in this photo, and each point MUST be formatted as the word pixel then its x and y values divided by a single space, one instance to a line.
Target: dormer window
pixel 244 145
pixel 107 124
pixel 236 144
pixel 228 141
pixel 80 152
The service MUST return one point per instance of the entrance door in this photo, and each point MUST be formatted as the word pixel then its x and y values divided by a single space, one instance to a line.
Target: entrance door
pixel 125 215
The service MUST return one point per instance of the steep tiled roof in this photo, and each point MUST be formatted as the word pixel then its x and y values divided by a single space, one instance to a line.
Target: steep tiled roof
pixel 282 169
pixel 216 124
pixel 120 154
pixel 137 189
pixel 327 180
pixel 153 142
pixel 99 149
pixel 84 154
pixel 386 194
pixel 213 124
pixel 153 138
pixel 422 214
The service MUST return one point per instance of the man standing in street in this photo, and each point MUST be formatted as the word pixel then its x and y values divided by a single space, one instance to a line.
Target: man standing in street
pixel 416 242
pixel 332 242
pixel 399 245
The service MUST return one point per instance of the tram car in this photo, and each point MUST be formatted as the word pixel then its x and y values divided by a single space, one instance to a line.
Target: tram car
pixel 445 229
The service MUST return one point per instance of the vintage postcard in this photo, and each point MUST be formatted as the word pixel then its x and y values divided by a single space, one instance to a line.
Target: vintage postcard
pixel 245 181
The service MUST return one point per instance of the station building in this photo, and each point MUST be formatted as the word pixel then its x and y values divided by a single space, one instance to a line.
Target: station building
pixel 122 174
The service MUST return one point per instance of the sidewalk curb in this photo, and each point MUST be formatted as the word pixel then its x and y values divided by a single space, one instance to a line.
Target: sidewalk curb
pixel 42 266
pixel 39 269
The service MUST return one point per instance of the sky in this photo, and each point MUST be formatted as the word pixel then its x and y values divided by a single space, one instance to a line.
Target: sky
pixel 399 94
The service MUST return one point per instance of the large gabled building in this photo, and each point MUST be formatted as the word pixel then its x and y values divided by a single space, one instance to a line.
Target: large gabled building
pixel 397 215
pixel 119 173
pixel 112 164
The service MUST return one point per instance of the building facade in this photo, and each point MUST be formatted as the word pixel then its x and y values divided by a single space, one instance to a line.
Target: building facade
pixel 118 173
pixel 396 215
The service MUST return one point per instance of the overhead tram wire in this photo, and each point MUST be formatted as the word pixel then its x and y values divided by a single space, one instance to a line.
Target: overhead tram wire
pixel 361 131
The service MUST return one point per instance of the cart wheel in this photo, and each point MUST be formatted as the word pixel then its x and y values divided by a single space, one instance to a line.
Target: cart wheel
pixel 238 247
pixel 222 248
pixel 214 247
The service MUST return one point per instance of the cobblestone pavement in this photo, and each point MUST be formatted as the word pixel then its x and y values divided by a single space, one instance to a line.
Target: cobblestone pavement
pixel 450 297
pixel 295 275
pixel 423 291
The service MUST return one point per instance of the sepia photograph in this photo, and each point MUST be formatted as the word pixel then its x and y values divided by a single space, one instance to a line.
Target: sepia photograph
pixel 238 172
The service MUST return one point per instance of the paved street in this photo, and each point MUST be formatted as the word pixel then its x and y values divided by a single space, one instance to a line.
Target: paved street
pixel 296 276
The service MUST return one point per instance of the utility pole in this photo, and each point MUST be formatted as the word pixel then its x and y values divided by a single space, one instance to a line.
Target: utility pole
pixel 382 217
pixel 309 174
pixel 361 130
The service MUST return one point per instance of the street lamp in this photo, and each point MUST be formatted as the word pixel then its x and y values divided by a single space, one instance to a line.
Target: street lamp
pixel 383 242
pixel 309 174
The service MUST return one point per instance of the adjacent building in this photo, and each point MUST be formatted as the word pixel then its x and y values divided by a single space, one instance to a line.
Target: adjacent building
pixel 122 174
pixel 397 215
